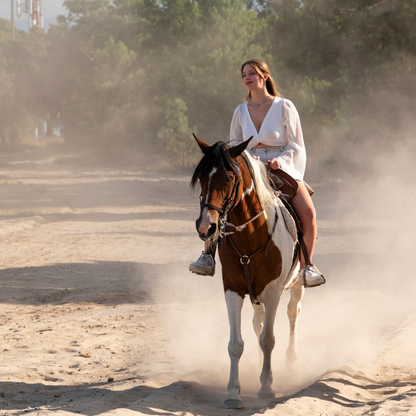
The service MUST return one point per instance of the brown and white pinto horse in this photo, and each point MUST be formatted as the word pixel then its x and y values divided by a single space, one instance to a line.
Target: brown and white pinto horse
pixel 235 192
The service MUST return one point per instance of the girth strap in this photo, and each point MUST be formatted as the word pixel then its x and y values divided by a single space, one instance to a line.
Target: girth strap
pixel 245 260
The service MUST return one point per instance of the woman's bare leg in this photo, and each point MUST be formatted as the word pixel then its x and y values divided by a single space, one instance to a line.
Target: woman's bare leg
pixel 303 205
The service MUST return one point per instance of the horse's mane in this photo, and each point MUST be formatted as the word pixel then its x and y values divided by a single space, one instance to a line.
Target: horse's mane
pixel 262 186
pixel 216 157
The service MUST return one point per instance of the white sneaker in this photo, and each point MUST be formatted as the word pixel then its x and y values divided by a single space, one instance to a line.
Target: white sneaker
pixel 204 266
pixel 310 276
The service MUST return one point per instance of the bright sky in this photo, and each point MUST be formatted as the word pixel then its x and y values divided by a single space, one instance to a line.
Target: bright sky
pixel 50 9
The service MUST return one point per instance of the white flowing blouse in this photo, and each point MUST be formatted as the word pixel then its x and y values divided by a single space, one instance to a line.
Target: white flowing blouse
pixel 281 128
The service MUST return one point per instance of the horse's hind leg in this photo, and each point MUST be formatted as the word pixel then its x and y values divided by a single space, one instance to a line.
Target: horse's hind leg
pixel 235 349
pixel 293 312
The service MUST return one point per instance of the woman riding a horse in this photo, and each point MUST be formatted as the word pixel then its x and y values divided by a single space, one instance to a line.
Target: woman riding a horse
pixel 274 125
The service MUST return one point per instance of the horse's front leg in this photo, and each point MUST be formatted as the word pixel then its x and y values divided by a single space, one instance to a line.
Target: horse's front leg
pixel 267 342
pixel 293 312
pixel 258 319
pixel 235 349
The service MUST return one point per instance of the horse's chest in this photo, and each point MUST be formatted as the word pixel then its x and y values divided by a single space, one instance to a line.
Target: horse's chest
pixel 264 267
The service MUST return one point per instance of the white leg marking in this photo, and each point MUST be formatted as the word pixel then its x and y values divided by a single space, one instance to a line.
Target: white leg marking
pixel 235 348
pixel 258 320
pixel 294 309
pixel 267 339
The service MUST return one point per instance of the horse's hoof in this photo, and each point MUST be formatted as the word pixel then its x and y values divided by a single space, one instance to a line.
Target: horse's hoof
pixel 233 404
pixel 266 393
pixel 233 401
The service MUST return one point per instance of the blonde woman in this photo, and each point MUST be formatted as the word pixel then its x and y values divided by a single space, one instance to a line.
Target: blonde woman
pixel 277 139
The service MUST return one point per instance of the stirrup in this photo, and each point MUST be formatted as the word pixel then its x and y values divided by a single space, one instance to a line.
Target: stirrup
pixel 310 276
pixel 204 266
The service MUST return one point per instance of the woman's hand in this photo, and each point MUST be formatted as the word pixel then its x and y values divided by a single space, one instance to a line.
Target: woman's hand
pixel 274 163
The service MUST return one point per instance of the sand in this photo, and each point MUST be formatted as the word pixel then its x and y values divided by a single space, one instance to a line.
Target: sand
pixel 100 316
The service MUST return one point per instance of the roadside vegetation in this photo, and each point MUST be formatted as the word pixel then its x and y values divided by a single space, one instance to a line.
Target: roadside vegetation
pixel 128 77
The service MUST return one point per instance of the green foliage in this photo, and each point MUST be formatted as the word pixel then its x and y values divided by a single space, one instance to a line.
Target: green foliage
pixel 20 78
pixel 177 135
pixel 134 74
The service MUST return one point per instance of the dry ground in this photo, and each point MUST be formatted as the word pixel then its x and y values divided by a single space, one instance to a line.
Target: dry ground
pixel 100 316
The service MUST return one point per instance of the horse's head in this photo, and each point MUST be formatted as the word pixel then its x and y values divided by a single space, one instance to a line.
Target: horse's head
pixel 218 173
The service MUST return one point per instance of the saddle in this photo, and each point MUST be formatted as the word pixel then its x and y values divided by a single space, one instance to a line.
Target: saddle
pixel 283 182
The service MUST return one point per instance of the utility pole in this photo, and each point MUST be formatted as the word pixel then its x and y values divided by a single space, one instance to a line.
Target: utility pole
pixel 12 19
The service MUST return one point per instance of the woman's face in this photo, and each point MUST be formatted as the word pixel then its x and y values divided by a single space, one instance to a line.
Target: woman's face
pixel 251 79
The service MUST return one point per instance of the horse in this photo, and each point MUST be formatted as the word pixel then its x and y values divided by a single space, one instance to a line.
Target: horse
pixel 258 254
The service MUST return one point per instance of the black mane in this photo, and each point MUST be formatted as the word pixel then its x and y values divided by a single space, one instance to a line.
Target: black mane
pixel 216 157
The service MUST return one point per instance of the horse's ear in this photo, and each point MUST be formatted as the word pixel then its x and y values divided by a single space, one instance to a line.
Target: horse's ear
pixel 202 145
pixel 237 150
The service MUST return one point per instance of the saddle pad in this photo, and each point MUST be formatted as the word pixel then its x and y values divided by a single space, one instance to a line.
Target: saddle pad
pixel 289 221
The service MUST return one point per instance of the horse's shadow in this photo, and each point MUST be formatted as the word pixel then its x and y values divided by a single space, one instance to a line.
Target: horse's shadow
pixel 95 398
pixel 90 399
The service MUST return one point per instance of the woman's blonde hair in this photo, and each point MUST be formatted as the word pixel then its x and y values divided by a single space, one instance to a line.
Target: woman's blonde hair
pixel 261 68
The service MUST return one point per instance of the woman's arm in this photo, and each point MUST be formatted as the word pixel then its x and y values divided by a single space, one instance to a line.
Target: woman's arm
pixel 236 132
pixel 293 159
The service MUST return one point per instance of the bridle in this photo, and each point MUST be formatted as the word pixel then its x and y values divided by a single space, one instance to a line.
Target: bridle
pixel 231 201
pixel 229 206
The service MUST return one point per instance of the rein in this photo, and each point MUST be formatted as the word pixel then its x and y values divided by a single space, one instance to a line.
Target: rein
pixel 225 223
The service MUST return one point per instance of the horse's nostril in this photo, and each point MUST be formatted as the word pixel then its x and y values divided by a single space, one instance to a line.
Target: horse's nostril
pixel 209 233
pixel 212 230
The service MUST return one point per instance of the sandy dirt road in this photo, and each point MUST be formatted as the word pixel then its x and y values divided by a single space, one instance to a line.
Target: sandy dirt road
pixel 100 316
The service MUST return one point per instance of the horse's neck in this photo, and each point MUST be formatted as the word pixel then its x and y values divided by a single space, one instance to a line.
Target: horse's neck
pixel 249 203
pixel 248 206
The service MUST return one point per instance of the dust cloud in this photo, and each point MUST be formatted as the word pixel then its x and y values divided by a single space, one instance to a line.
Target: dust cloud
pixel 363 316
pixel 362 320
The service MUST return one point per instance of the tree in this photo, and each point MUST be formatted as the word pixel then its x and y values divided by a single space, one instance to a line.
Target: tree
pixel 177 135
pixel 20 81
pixel 121 74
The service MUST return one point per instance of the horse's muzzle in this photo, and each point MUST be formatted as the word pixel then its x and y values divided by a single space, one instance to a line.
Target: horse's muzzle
pixel 210 235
